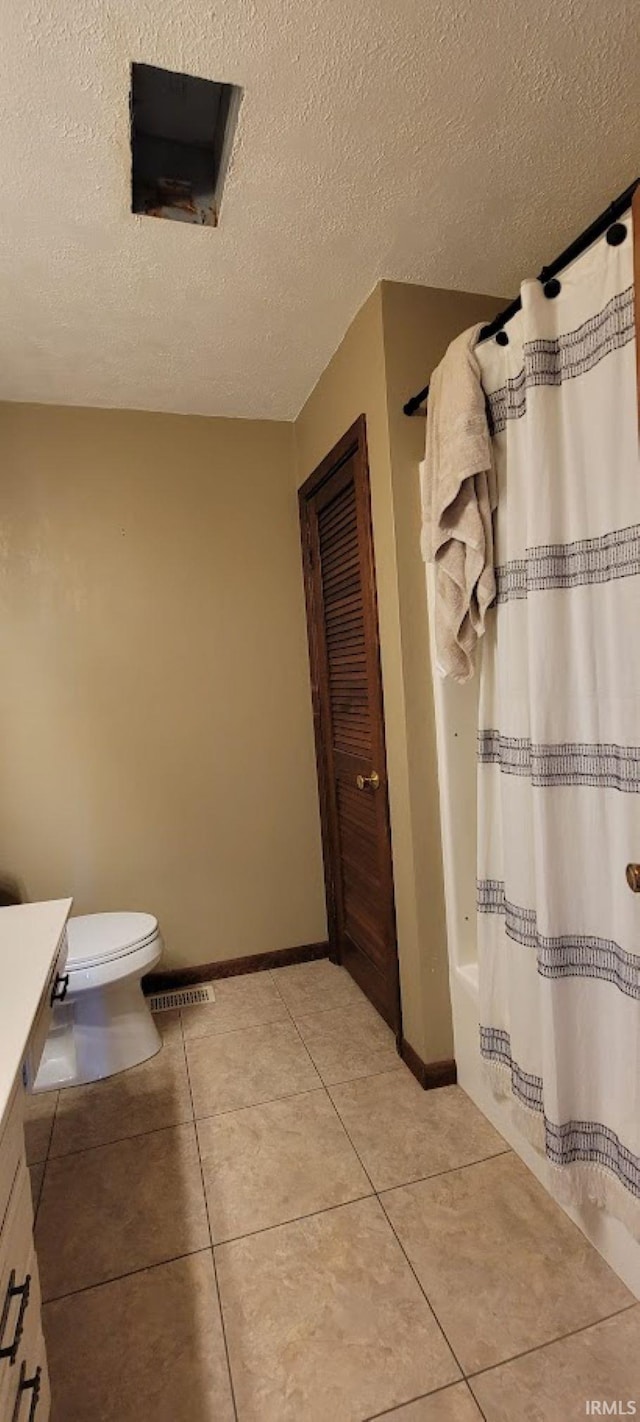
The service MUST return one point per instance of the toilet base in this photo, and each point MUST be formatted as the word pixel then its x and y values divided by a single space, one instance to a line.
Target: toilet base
pixel 96 1033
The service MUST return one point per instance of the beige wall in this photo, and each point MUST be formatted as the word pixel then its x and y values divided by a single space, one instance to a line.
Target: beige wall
pixel 155 715
pixel 388 352
pixel 156 745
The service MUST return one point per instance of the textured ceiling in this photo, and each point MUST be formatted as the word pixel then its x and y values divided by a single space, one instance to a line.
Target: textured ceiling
pixel 457 144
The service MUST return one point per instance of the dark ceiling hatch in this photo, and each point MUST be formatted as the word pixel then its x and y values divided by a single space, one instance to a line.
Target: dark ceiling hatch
pixel 182 132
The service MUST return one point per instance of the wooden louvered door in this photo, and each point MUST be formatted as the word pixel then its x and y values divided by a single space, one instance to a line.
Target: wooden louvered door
pixel 349 719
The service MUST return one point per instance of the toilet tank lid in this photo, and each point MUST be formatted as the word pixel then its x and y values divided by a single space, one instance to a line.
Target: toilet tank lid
pixel 97 937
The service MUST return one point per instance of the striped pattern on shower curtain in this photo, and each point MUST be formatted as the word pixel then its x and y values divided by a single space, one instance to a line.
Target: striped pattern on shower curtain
pixel 559 737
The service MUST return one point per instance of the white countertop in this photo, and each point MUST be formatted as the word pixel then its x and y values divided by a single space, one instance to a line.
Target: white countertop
pixel 29 936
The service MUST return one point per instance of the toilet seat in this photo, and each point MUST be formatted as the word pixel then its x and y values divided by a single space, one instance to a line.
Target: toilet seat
pixel 98 938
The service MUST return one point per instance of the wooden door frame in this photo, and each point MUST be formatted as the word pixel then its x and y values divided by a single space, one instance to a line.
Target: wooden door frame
pixel 353 442
pixel 635 213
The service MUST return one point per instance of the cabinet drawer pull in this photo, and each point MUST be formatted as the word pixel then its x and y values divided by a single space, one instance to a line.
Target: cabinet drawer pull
pixel 60 988
pixel 31 1385
pixel 14 1291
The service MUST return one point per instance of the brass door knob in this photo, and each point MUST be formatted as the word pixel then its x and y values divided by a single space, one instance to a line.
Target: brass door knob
pixel 368 782
pixel 633 877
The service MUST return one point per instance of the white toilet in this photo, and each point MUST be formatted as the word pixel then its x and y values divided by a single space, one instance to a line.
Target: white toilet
pixel 103 1024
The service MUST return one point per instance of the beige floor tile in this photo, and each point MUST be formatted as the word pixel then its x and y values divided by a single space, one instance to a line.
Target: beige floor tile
pixel 169 1024
pixel 146 1347
pixel 246 1001
pixel 403 1133
pixel 267 1164
pixel 146 1098
pixel 315 987
pixel 324 1320
pixel 120 1207
pixel 235 1069
pixel 454 1404
pixel 39 1112
pixel 37 1175
pixel 553 1384
pixel 501 1264
pixel 349 1042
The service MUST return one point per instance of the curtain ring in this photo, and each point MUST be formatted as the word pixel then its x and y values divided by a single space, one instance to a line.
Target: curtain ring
pixel 616 234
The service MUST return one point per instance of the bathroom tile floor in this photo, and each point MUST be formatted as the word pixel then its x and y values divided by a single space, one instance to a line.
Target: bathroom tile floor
pixel 270 1221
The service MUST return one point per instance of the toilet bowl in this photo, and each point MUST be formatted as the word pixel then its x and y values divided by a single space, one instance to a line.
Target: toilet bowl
pixel 104 1024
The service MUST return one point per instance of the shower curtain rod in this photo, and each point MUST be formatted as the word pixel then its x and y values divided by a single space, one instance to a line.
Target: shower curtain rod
pixel 606 219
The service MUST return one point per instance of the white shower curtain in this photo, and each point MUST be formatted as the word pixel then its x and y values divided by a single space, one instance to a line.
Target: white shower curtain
pixel 559 737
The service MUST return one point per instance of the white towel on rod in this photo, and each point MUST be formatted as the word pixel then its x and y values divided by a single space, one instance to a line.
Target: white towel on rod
pixel 458 490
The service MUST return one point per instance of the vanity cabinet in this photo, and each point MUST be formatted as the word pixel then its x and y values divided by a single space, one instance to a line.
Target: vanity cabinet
pixel 24 1383
pixel 32 956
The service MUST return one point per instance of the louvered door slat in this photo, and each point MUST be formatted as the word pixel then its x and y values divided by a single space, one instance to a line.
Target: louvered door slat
pixel 346 662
